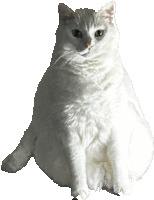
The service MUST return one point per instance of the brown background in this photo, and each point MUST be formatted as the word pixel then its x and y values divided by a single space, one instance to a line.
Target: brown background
pixel 27 41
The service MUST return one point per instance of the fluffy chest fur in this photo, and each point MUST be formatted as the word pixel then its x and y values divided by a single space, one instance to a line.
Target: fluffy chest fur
pixel 88 117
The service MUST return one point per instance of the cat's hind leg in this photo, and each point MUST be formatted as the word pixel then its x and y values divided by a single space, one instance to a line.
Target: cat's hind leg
pixel 117 152
pixel 21 155
pixel 141 149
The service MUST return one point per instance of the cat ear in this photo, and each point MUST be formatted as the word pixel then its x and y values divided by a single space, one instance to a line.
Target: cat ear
pixel 107 12
pixel 65 13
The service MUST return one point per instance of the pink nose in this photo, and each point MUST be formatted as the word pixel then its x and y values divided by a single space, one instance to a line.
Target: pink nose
pixel 89 45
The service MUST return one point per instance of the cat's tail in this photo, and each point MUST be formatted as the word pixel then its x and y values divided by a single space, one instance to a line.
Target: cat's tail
pixel 21 155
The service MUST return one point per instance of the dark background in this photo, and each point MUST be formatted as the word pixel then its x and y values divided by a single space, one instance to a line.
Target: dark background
pixel 27 39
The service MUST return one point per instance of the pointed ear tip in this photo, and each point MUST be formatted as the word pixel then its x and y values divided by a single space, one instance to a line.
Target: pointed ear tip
pixel 60 5
pixel 111 3
pixel 114 3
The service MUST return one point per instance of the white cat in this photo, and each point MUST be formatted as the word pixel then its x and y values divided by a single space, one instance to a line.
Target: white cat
pixel 87 129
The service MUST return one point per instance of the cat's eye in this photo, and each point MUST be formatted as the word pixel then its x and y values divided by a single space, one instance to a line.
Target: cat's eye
pixel 76 33
pixel 99 33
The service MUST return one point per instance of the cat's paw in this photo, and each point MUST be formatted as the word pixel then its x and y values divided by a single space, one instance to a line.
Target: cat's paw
pixel 125 189
pixel 82 191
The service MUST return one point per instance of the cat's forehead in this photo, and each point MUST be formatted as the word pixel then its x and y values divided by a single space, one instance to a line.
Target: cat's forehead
pixel 86 18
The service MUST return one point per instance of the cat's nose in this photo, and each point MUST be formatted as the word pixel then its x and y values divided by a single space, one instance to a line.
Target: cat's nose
pixel 89 45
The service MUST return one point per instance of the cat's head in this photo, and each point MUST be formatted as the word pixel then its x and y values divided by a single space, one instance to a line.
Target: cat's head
pixel 86 33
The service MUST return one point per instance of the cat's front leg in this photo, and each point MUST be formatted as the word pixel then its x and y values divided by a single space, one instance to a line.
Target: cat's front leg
pixel 77 164
pixel 118 156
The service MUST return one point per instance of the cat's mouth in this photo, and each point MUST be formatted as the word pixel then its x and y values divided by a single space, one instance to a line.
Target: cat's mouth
pixel 85 52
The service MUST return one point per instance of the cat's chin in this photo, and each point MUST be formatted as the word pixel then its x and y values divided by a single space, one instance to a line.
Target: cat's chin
pixel 85 54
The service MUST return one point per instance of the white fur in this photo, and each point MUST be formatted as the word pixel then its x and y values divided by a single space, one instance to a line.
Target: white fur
pixel 91 130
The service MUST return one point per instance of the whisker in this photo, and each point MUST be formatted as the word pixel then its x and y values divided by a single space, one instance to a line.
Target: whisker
pixel 68 60
pixel 64 54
